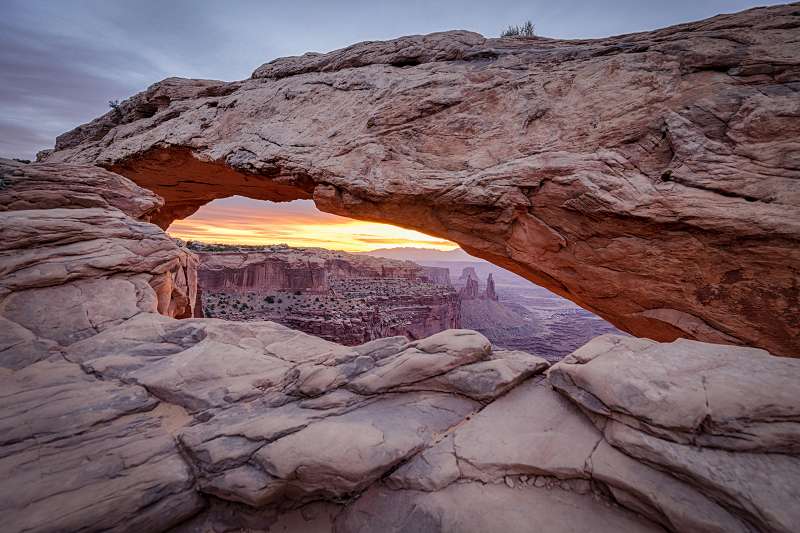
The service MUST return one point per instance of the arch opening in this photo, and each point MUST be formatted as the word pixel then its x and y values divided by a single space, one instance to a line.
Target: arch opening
pixel 604 262
pixel 352 281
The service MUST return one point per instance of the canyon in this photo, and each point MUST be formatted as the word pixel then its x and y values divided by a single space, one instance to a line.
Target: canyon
pixel 651 178
pixel 116 416
pixel 516 314
pixel 342 297
pixel 354 298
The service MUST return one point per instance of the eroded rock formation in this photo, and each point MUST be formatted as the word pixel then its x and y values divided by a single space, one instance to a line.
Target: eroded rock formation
pixel 471 289
pixel 115 416
pixel 436 275
pixel 652 178
pixel 490 294
pixel 346 298
pixel 137 421
pixel 281 267
pixel 76 249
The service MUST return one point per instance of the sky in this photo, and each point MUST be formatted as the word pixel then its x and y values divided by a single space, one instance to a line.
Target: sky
pixel 238 220
pixel 61 61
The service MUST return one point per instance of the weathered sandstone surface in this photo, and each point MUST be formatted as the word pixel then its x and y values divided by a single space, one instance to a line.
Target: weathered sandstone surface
pixel 652 178
pixel 115 416
pixel 76 258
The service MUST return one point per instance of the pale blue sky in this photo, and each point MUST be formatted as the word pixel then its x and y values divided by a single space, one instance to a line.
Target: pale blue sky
pixel 62 61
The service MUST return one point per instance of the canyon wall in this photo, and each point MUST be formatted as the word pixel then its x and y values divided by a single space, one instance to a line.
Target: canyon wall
pixel 280 267
pixel 437 275
pixel 235 271
pixel 651 178
pixel 411 315
pixel 346 298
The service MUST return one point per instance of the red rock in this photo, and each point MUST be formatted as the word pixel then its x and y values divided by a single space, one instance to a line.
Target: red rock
pixel 651 178
pixel 490 293
pixel 437 275
pixel 467 273
pixel 471 289
pixel 342 297
pixel 76 248
pixel 50 186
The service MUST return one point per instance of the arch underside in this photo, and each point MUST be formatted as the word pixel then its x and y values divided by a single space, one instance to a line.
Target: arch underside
pixel 612 271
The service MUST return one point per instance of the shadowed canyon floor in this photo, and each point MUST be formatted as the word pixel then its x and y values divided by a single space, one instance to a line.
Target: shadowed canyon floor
pixel 351 298
pixel 674 213
pixel 342 297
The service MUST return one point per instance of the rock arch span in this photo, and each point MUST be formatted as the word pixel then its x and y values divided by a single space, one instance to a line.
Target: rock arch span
pixel 652 178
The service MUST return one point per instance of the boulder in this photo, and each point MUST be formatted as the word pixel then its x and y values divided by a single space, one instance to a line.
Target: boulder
pixel 722 420
pixel 486 380
pixel 344 454
pixel 734 398
pixel 80 453
pixel 180 361
pixel 422 359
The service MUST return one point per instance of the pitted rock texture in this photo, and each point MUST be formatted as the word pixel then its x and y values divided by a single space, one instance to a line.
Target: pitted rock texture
pixel 44 186
pixel 727 427
pixel 645 177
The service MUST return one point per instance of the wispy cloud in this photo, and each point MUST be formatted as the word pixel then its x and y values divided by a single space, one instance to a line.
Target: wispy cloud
pixel 61 62
pixel 244 221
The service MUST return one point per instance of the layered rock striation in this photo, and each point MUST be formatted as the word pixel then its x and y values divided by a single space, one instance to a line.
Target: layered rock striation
pixel 280 267
pixel 342 297
pixel 77 255
pixel 117 416
pixel 145 422
pixel 651 178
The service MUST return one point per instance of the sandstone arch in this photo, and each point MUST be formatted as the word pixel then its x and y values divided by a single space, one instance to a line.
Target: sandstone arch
pixel 651 178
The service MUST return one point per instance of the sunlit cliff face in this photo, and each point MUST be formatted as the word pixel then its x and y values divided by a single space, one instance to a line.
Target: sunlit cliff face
pixel 238 220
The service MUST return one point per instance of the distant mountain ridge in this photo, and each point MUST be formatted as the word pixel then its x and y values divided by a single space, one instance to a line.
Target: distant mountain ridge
pixel 410 253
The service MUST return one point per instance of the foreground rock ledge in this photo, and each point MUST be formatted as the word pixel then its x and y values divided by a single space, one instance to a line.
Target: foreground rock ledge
pixel 203 425
pixel 651 178
pixel 115 416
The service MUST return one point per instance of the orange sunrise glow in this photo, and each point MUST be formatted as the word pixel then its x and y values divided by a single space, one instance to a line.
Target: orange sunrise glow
pixel 238 220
